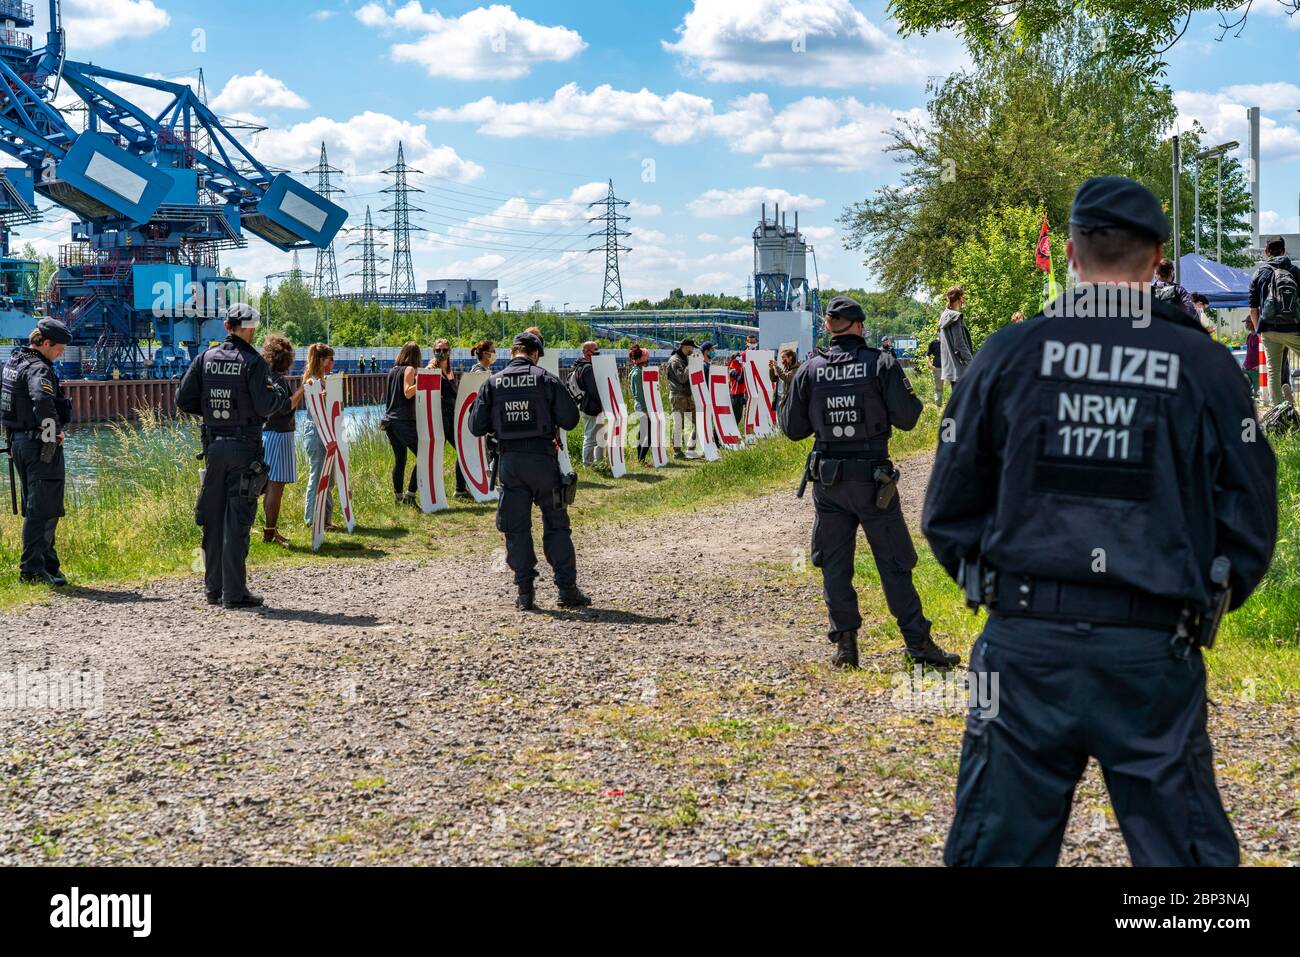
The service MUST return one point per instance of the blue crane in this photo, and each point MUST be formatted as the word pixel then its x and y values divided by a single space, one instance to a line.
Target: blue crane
pixel 157 197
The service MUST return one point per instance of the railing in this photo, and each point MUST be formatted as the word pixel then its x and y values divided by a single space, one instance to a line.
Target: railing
pixel 13 10
pixel 13 38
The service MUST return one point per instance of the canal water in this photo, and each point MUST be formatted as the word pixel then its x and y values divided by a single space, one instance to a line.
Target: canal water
pixel 94 448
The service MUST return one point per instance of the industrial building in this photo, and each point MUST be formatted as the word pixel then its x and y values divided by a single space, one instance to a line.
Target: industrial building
pixel 478 294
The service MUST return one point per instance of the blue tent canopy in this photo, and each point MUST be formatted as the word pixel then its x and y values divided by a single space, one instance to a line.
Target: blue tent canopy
pixel 1225 286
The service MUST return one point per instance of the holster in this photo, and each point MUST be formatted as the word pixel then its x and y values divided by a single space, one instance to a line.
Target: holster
pixel 568 490
pixel 886 477
pixel 253 481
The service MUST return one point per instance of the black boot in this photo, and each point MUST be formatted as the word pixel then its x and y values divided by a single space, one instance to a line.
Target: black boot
pixel 524 600
pixel 846 649
pixel 573 598
pixel 250 600
pixel 928 653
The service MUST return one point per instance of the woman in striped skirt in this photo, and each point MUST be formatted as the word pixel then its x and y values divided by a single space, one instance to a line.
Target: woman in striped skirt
pixel 278 447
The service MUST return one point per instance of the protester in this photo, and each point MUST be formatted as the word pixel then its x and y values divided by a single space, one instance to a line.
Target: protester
pixel 934 358
pixel 582 386
pixel 320 363
pixel 1251 362
pixel 682 425
pixel 485 353
pixel 782 373
pixel 637 359
pixel 1275 314
pixel 736 386
pixel 954 338
pixel 278 447
pixel 1202 305
pixel 707 351
pixel 1167 290
pixel 450 387
pixel 399 419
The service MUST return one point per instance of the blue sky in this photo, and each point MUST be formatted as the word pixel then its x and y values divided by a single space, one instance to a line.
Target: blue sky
pixel 699 111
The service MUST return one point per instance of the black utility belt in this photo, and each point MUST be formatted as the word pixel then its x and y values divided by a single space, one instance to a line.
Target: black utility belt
pixel 252 438
pixel 1023 596
pixel 833 471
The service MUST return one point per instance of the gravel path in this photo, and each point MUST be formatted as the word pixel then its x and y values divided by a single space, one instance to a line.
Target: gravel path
pixel 691 718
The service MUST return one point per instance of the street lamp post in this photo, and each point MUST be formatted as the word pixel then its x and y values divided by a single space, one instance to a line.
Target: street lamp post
pixel 1216 153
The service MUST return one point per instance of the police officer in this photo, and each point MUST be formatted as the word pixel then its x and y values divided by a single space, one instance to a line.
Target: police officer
pixel 850 398
pixel 34 412
pixel 231 387
pixel 1105 493
pixel 523 406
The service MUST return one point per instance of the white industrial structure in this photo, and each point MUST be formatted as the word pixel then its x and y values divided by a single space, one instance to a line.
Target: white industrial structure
pixel 479 294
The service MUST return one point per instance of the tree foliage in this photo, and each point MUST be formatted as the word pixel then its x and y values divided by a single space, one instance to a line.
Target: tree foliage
pixel 1143 29
pixel 1021 130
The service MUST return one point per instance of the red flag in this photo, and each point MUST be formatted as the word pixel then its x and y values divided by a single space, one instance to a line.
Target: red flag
pixel 1043 253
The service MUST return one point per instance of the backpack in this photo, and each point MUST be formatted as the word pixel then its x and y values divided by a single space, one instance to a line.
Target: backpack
pixel 1167 293
pixel 1283 296
pixel 588 405
pixel 1280 420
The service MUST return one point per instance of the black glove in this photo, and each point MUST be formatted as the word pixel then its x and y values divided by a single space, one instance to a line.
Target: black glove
pixel 48 451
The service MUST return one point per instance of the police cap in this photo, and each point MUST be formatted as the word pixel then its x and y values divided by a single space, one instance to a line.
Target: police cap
pixel 528 341
pixel 1117 201
pixel 53 330
pixel 242 316
pixel 846 310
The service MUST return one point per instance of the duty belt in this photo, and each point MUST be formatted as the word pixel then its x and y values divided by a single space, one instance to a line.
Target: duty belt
pixel 1021 595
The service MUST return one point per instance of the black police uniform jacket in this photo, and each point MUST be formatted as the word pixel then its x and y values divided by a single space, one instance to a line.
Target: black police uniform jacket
pixel 523 405
pixel 850 398
pixel 1105 451
pixel 232 388
pixel 32 393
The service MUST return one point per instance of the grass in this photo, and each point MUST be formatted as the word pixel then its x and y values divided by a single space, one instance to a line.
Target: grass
pixel 140 527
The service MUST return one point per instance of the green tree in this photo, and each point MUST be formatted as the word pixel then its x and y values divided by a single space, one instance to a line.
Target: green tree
pixel 1138 28
pixel 998 271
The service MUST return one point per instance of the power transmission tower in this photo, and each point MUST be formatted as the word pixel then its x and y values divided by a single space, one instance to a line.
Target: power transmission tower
pixel 326 283
pixel 369 259
pixel 402 281
pixel 611 217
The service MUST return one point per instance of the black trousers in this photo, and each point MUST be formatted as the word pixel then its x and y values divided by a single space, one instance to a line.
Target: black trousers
pixel 226 517
pixel 403 435
pixel 43 485
pixel 841 509
pixel 1069 691
pixel 528 479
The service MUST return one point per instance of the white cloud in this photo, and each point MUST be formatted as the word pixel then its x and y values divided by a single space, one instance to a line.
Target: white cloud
pixel 818 234
pixel 1273 222
pixel 794 42
pixel 242 93
pixel 709 238
pixel 98 23
pixel 844 134
pixel 486 43
pixel 1223 114
pixel 361 146
pixel 748 201
pixel 572 113
pixel 323 14
pixel 649 210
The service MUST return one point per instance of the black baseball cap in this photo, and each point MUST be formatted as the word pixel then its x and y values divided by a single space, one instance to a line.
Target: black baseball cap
pixel 1117 201
pixel 845 309
pixel 686 342
pixel 526 340
pixel 54 330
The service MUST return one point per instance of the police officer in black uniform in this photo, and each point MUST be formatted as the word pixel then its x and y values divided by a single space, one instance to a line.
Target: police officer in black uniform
pixel 231 387
pixel 1107 494
pixel 850 398
pixel 523 406
pixel 34 413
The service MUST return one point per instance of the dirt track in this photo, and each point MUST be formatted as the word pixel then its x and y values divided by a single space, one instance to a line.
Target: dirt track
pixel 690 718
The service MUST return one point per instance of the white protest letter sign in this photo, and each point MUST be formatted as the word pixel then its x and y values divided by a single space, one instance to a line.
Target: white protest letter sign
pixel 325 406
pixel 724 418
pixel 471 450
pixel 656 417
pixel 703 418
pixel 760 411
pixel 605 368
pixel 428 460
